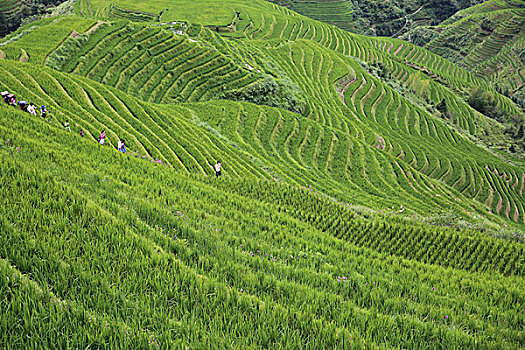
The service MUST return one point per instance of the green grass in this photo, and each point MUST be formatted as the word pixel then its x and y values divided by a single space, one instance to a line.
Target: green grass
pixel 210 12
pixel 365 221
pixel 54 30
pixel 485 39
pixel 144 229
pixel 336 12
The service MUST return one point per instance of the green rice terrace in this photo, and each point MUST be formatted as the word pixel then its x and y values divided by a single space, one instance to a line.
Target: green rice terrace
pixel 377 17
pixel 363 203
pixel 487 39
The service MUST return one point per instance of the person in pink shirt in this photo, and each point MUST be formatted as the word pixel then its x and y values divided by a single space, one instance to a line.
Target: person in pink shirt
pixel 102 137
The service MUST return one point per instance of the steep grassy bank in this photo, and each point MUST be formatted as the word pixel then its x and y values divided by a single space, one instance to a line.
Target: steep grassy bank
pixel 111 249
pixel 358 207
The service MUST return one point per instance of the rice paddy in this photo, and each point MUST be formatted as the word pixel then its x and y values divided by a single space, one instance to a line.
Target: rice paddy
pixel 364 221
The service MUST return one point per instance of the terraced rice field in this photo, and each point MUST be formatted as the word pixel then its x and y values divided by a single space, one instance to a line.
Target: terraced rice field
pixel 392 119
pixel 391 52
pixel 158 66
pixel 151 220
pixel 151 63
pixel 366 221
pixel 335 154
pixel 266 21
pixel 335 12
pixel 9 6
pixel 100 109
pixel 491 33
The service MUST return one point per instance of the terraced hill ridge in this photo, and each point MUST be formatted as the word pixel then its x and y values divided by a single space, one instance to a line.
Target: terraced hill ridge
pixel 382 18
pixel 151 63
pixel 166 235
pixel 371 215
pixel 363 115
pixel 487 39
pixel 261 20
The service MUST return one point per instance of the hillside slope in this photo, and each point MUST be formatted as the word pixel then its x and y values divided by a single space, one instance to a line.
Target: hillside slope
pixel 151 63
pixel 271 137
pixel 341 144
pixel 356 209
pixel 108 248
pixel 261 20
pixel 359 113
pixel 487 39
pixel 382 18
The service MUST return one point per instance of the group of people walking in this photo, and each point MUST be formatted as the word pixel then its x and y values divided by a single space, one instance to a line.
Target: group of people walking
pixel 121 145
pixel 10 99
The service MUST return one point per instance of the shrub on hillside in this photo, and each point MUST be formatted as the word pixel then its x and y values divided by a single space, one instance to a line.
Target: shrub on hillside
pixel 442 107
pixel 484 102
pixel 420 36
pixel 270 92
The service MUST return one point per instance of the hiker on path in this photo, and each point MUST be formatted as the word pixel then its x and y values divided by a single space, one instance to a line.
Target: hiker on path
pixel 43 111
pixel 31 109
pixel 121 145
pixel 12 99
pixel 5 95
pixel 66 126
pixel 23 105
pixel 102 137
pixel 81 133
pixel 218 169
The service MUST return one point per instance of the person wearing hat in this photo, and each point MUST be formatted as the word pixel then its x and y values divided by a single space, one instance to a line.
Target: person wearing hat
pixel 5 96
pixel 12 99
pixel 43 111
pixel 23 105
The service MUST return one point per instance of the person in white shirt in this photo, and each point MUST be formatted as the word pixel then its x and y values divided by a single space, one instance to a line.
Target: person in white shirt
pixel 121 145
pixel 31 109
pixel 218 169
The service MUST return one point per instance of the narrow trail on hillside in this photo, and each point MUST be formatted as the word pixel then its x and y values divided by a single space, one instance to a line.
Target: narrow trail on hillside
pixel 95 27
pixel 406 21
